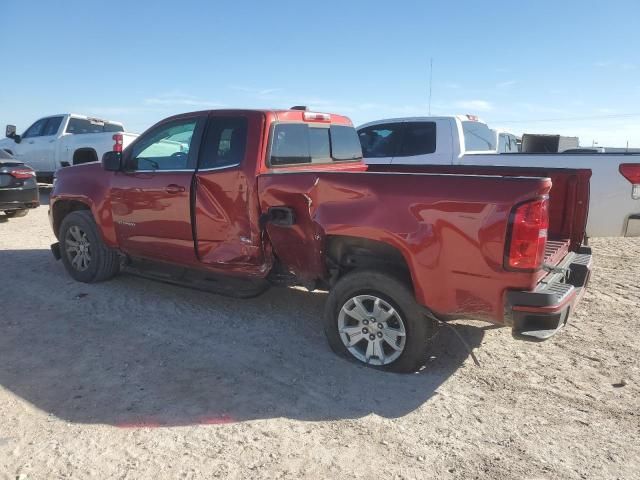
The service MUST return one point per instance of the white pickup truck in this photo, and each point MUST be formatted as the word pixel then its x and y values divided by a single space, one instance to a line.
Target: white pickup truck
pixel 614 206
pixel 63 140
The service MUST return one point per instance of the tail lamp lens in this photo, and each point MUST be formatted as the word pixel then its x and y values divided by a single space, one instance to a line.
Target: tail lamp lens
pixel 118 142
pixel 22 173
pixel 631 171
pixel 529 226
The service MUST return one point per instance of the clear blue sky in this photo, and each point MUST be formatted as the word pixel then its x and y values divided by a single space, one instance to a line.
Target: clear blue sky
pixel 546 66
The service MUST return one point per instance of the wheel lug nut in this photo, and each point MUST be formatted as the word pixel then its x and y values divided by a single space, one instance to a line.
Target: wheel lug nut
pixel 380 326
pixel 380 334
pixel 365 330
pixel 365 321
pixel 372 337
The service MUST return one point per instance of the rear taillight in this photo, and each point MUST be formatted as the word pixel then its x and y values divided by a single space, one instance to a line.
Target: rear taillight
pixel 631 171
pixel 22 173
pixel 118 141
pixel 528 235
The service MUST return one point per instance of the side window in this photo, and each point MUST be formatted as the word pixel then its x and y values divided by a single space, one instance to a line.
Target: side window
pixel 478 137
pixel 52 126
pixel 294 143
pixel 345 144
pixel 290 144
pixel 165 148
pixel 225 142
pixel 419 139
pixel 36 129
pixel 379 140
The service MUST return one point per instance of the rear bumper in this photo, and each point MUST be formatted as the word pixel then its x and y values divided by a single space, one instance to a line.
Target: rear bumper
pixel 19 198
pixel 541 313
pixel 632 228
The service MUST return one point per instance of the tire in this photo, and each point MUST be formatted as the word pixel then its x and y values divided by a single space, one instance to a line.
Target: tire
pixel 390 292
pixel 101 263
pixel 16 213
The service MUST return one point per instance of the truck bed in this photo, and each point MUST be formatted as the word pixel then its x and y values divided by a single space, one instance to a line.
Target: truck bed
pixel 568 198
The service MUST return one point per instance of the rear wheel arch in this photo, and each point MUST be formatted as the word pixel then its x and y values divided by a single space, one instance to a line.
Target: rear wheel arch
pixel 84 155
pixel 347 253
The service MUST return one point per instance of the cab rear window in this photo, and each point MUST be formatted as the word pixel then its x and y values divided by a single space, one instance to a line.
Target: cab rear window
pixel 300 143
pixel 79 126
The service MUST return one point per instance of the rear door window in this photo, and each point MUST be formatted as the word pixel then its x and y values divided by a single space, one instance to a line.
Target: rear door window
pixel 379 141
pixel 225 142
pixel 298 143
pixel 419 138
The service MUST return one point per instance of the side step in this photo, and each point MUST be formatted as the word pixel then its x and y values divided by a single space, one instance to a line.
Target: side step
pixel 225 285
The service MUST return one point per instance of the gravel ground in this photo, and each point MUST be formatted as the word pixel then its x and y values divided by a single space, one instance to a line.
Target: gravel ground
pixel 136 379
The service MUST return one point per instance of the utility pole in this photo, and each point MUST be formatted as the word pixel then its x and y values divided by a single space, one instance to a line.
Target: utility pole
pixel 430 82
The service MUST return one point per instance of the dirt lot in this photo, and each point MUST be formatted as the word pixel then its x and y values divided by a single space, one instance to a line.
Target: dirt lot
pixel 136 379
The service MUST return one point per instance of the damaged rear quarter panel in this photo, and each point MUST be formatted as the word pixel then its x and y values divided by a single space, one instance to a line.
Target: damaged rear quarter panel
pixel 450 229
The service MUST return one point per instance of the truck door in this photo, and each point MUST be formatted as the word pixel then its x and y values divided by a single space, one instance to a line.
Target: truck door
pixel 151 199
pixel 30 149
pixel 226 208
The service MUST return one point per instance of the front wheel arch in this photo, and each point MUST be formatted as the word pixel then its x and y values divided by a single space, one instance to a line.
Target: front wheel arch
pixel 61 209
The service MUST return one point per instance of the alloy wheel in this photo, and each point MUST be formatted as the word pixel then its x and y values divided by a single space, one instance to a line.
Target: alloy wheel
pixel 372 330
pixel 78 248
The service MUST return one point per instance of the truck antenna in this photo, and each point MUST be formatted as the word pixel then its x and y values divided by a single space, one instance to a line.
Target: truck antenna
pixel 430 82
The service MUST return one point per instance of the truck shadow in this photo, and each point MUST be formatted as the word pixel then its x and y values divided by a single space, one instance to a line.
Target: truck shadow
pixel 132 352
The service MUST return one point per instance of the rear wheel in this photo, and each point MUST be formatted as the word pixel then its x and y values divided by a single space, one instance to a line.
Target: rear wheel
pixel 373 318
pixel 84 254
pixel 16 213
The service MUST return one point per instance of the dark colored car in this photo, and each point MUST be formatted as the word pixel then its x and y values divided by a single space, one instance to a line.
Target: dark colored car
pixel 18 186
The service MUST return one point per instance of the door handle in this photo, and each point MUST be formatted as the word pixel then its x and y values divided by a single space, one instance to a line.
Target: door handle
pixel 173 188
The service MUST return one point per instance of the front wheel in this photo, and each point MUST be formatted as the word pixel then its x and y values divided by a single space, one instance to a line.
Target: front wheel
pixel 373 318
pixel 84 254
pixel 16 213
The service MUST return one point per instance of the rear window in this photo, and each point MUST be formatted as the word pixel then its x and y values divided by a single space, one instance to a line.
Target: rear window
pixel 478 137
pixel 84 125
pixel 296 143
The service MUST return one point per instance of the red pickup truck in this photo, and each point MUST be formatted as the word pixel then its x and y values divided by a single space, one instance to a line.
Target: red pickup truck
pixel 233 201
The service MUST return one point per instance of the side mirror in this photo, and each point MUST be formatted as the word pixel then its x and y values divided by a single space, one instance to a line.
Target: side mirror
pixel 112 161
pixel 10 132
